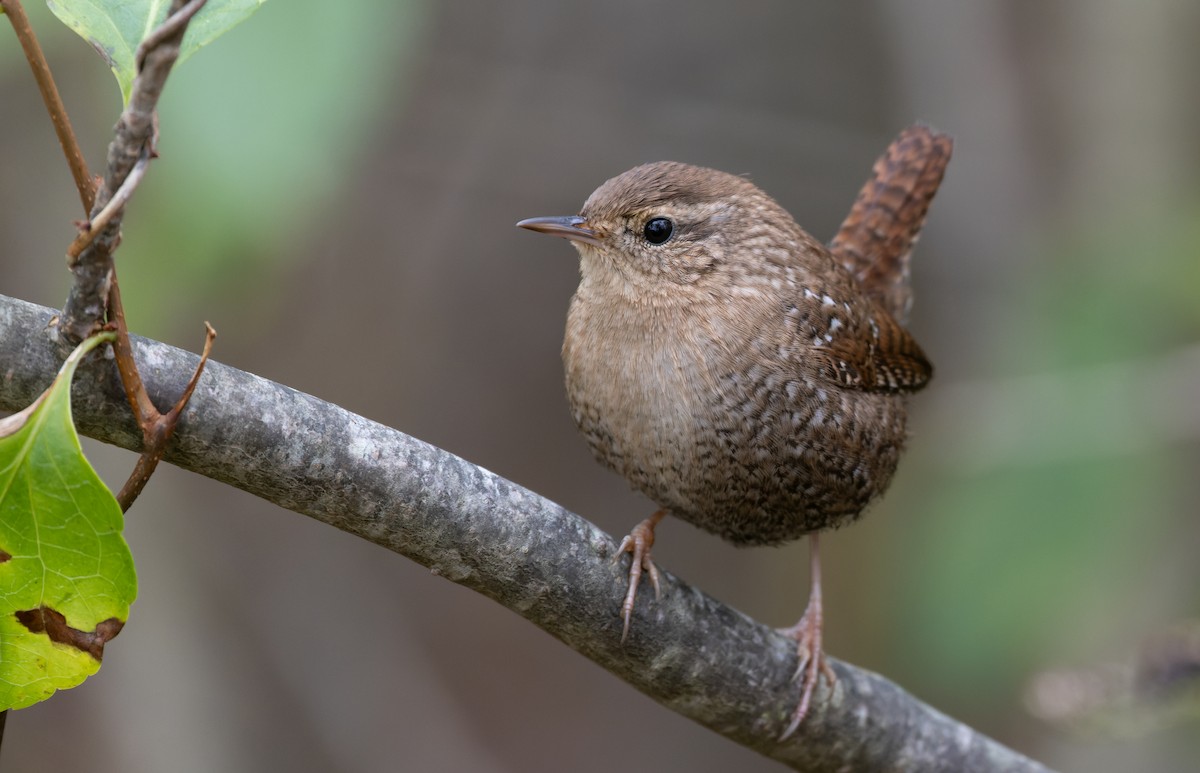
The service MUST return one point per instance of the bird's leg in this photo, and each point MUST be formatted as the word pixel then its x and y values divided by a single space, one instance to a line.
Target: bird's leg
pixel 807 632
pixel 638 542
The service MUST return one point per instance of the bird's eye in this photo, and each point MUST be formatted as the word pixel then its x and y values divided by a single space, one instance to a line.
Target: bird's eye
pixel 658 230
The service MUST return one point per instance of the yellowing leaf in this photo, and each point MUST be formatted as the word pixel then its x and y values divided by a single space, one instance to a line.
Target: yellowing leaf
pixel 66 574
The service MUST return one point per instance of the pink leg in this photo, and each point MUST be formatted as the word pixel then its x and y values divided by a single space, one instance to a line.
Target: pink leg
pixel 639 542
pixel 807 632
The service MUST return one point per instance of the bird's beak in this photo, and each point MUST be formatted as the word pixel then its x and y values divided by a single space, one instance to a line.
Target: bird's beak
pixel 571 227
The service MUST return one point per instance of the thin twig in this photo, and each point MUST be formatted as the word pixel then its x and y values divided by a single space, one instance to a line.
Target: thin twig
pixel 157 429
pixel 95 292
pixel 54 104
pixel 135 391
pixel 89 230
pixel 134 137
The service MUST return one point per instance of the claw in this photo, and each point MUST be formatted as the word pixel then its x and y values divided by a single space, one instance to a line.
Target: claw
pixel 638 542
pixel 811 665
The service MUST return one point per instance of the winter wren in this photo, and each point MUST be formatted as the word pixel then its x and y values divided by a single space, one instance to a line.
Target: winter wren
pixel 742 375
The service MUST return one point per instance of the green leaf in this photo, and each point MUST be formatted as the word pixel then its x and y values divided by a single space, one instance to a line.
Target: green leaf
pixel 115 28
pixel 66 574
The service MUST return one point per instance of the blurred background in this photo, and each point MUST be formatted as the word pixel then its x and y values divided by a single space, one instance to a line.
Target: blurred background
pixel 336 193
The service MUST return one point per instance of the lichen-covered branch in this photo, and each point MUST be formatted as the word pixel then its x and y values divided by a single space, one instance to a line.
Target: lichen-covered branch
pixel 689 652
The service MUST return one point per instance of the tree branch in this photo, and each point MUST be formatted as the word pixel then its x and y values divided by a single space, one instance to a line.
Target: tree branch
pixel 689 652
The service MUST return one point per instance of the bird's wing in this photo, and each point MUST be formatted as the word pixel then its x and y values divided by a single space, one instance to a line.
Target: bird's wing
pixel 886 358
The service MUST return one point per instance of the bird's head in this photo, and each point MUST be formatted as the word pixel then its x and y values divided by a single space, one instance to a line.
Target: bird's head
pixel 662 225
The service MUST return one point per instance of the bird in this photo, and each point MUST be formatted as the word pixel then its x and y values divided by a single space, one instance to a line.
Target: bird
pixel 745 377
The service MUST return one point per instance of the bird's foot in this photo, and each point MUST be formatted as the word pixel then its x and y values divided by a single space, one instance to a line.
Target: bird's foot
pixel 811 664
pixel 638 542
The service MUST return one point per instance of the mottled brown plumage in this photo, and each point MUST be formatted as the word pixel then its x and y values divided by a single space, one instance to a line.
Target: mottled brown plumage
pixel 877 238
pixel 737 372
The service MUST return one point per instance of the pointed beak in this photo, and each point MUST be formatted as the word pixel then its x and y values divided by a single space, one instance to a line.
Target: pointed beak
pixel 571 227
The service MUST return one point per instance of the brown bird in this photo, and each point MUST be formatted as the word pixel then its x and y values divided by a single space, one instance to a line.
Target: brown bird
pixel 743 376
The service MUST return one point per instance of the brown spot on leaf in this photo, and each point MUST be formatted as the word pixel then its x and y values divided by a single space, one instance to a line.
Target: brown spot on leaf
pixel 5 555
pixel 53 624
pixel 105 52
pixel 11 425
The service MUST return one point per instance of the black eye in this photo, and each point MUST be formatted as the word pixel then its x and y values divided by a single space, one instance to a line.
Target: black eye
pixel 658 230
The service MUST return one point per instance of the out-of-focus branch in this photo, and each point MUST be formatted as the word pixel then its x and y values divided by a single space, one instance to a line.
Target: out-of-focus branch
pixel 691 653
pixel 54 104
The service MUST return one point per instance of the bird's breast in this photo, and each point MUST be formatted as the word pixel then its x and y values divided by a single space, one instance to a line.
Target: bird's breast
pixel 635 378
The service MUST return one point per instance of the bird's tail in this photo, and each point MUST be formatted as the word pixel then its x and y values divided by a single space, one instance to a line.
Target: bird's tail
pixel 877 237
